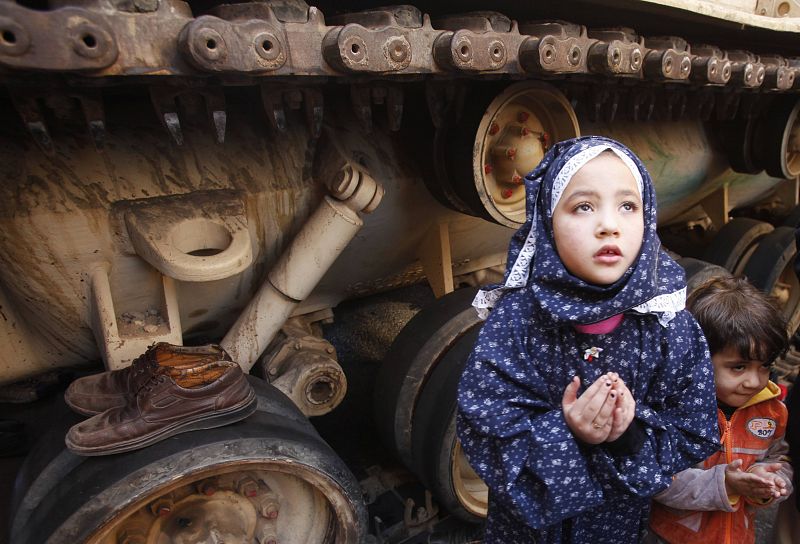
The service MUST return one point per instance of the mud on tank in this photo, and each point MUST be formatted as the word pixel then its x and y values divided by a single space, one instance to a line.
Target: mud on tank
pixel 256 174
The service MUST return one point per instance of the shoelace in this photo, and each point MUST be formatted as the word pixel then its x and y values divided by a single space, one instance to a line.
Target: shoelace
pixel 155 380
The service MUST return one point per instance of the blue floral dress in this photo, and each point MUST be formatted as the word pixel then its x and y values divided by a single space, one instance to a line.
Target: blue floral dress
pixel 544 484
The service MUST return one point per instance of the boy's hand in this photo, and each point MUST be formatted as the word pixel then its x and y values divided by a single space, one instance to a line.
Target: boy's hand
pixel 746 484
pixel 624 410
pixel 768 471
pixel 589 416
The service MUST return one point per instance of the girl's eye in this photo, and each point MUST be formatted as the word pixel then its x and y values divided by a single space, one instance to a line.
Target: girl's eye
pixel 738 368
pixel 629 206
pixel 583 207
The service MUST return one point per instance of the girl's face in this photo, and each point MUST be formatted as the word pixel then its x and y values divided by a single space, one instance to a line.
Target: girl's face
pixel 598 224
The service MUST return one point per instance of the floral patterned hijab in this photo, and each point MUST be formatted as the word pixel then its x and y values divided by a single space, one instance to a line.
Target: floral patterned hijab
pixel 653 284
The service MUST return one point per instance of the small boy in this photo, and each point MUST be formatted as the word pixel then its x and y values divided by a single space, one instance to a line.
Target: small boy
pixel 715 502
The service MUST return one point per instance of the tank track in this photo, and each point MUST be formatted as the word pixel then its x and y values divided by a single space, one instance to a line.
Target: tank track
pixel 291 50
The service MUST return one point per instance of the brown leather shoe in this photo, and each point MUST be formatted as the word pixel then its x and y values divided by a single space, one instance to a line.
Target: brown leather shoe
pixel 97 393
pixel 173 401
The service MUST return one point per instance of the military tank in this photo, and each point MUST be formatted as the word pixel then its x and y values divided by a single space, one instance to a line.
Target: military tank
pixel 194 172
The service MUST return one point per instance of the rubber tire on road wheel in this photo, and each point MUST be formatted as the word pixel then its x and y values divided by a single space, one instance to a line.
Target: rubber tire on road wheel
pixel 61 497
pixel 737 140
pixel 411 358
pixel 434 441
pixel 735 242
pixel 793 218
pixel 773 261
pixel 772 137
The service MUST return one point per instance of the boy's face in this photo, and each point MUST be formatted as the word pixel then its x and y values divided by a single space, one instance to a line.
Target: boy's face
pixel 598 224
pixel 738 379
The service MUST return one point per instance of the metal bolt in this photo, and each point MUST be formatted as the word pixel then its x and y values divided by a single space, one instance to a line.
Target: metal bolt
pixel 161 508
pixel 398 49
pixel 616 56
pixel 355 48
pixel 487 169
pixel 574 55
pixel 207 488
pixel 497 51
pixel 636 59
pixel 329 349
pixel 686 65
pixel 463 49
pixel 248 487
pixel 667 66
pixel 297 345
pixel 494 129
pixel 548 54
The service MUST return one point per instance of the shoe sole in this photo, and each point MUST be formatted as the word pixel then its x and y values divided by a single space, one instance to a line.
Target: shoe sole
pixel 203 421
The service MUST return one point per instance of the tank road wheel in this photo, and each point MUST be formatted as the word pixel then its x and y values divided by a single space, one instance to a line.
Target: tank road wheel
pixel 697 272
pixel 735 243
pixel 778 144
pixel 269 478
pixel 738 141
pixel 436 451
pixel 771 269
pixel 506 139
pixel 421 369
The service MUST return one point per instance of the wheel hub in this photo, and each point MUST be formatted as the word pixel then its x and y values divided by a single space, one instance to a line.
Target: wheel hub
pixel 517 129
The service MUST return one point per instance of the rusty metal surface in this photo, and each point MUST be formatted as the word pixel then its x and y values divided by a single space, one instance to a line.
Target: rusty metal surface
pixel 84 48
pixel 97 39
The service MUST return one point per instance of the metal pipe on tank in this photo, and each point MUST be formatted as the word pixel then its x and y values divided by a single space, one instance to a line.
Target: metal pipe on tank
pixel 303 264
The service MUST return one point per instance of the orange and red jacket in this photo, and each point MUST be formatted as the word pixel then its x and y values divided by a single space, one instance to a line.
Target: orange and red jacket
pixel 696 507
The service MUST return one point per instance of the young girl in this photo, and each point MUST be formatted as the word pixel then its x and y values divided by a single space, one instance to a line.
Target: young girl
pixel 589 385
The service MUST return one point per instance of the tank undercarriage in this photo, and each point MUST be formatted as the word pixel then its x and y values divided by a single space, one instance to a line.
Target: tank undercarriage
pixel 195 172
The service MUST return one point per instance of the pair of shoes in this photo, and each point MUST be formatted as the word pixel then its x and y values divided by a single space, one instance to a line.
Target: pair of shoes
pixel 167 390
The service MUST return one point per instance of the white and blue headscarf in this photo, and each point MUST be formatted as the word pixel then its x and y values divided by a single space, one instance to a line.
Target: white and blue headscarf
pixel 654 283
